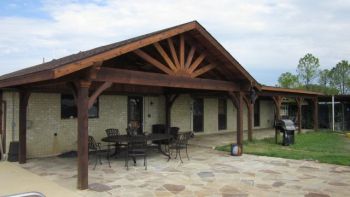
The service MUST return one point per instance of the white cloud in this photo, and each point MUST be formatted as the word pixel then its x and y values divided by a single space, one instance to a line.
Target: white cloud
pixel 259 34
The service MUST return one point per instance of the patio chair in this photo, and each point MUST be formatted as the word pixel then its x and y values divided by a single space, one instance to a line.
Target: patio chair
pixel 180 143
pixel 95 148
pixel 111 132
pixel 137 147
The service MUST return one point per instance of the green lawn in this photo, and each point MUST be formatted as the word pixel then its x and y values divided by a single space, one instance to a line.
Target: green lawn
pixel 323 146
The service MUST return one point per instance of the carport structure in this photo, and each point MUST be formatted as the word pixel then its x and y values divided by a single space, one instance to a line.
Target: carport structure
pixel 184 58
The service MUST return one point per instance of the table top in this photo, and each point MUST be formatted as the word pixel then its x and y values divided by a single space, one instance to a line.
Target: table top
pixel 126 138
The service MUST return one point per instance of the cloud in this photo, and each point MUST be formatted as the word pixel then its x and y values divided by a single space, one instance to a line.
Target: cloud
pixel 262 35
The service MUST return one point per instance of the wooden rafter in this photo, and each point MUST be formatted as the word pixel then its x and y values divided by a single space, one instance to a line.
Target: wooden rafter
pixel 190 57
pixel 153 61
pixel 203 70
pixel 165 56
pixel 196 63
pixel 182 51
pixel 173 52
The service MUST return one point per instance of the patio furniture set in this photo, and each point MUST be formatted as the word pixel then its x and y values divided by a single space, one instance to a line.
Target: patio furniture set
pixel 135 144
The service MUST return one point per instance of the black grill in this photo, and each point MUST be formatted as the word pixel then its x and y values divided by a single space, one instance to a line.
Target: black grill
pixel 287 127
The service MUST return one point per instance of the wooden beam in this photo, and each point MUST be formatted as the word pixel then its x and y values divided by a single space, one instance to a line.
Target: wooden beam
pixel 91 73
pixel 169 101
pixel 83 150
pixel 29 78
pixel 278 102
pixel 173 53
pixel 165 56
pixel 237 99
pixel 299 101
pixel 73 87
pixel 190 57
pixel 23 103
pixel 196 63
pixel 72 67
pixel 250 107
pixel 98 92
pixel 154 79
pixel 182 51
pixel 203 70
pixel 153 61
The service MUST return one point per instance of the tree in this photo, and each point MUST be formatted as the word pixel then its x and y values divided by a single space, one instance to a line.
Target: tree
pixel 323 89
pixel 308 69
pixel 288 80
pixel 340 76
pixel 325 78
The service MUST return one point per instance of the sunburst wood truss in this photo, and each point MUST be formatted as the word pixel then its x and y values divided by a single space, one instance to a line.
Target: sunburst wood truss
pixel 178 62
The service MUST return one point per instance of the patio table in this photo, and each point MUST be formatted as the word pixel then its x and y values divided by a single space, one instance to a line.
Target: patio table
pixel 149 137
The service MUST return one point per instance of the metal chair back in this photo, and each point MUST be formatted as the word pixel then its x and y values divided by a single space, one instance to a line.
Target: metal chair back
pixel 112 132
pixel 92 143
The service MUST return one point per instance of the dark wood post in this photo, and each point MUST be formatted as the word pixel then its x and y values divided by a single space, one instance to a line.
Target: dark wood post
pixel 167 112
pixel 169 101
pixel 278 102
pixel 23 103
pixel 250 107
pixel 83 151
pixel 237 100
pixel 299 101
pixel 240 120
pixel 315 102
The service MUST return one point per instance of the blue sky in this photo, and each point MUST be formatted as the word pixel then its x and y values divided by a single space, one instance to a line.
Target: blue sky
pixel 267 37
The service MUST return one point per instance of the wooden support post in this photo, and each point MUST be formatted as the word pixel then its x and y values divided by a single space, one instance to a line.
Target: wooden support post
pixel 169 101
pixel 83 151
pixel 315 102
pixel 299 101
pixel 23 103
pixel 278 102
pixel 237 99
pixel 250 107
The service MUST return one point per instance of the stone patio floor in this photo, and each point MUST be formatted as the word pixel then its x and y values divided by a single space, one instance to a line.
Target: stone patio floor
pixel 207 173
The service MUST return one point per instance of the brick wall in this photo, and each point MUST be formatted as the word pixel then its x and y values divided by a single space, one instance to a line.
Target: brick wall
pixel 44 119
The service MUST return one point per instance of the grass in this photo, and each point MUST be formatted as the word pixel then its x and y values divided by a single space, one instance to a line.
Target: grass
pixel 322 146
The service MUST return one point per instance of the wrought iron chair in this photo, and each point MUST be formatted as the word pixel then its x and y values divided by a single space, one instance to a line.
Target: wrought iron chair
pixel 137 147
pixel 111 132
pixel 179 143
pixel 95 148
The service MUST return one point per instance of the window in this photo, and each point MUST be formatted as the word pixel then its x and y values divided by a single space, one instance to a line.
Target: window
pixel 284 110
pixel 69 109
pixel 222 115
pixel 198 115
pixel 257 114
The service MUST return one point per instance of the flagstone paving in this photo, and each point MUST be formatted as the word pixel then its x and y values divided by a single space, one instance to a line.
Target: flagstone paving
pixel 207 173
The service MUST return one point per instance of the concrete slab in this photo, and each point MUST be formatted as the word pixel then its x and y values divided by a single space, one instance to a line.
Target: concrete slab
pixel 14 179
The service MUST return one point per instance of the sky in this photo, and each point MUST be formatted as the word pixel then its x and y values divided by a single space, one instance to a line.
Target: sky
pixel 266 37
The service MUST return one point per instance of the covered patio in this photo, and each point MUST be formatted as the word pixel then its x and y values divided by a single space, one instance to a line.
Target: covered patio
pixel 179 60
pixel 208 173
pixel 184 59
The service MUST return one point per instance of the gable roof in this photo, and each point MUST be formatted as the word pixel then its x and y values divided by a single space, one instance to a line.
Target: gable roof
pixel 75 62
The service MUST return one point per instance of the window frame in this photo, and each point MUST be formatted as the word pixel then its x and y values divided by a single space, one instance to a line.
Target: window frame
pixel 257 122
pixel 220 115
pixel 74 107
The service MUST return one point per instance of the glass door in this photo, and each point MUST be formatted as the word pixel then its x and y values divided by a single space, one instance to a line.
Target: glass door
pixel 135 112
